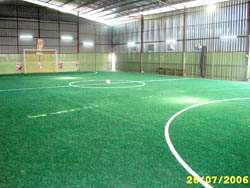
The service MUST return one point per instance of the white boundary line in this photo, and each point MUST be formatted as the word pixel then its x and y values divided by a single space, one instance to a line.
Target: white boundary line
pixel 89 72
pixel 32 88
pixel 63 111
pixel 39 88
pixel 171 79
pixel 171 146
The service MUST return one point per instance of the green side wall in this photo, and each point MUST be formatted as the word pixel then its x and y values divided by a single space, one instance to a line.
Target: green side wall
pixel 8 63
pixel 72 62
pixel 227 66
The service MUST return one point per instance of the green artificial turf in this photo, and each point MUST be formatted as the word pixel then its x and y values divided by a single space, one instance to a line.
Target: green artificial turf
pixel 114 137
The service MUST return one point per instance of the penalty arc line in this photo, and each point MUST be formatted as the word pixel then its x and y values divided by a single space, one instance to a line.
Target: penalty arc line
pixel 171 146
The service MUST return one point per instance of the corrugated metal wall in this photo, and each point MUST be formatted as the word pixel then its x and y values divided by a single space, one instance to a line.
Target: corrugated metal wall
pixel 50 26
pixel 170 45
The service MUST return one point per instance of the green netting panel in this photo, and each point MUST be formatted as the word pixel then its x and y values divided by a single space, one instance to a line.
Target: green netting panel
pixel 128 62
pixel 151 62
pixel 70 62
pixel 103 62
pixel 171 60
pixel 94 62
pixel 228 66
pixel 37 61
pixel 8 63
pixel 87 62
pixel 192 63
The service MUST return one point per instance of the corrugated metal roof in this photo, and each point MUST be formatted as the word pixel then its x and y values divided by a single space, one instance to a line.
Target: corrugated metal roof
pixel 117 11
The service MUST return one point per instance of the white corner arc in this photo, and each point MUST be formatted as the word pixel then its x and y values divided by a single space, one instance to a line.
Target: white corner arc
pixel 171 146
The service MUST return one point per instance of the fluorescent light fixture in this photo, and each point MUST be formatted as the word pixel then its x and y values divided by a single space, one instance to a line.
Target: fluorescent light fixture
pixel 26 37
pixel 88 44
pixel 111 16
pixel 84 9
pixel 228 37
pixel 211 8
pixel 131 44
pixel 100 14
pixel 93 12
pixel 57 3
pixel 171 41
pixel 67 38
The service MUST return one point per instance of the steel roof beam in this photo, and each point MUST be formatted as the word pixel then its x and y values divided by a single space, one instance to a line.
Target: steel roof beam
pixel 128 8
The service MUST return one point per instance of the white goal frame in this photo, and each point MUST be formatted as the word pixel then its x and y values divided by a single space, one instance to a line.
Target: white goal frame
pixel 39 50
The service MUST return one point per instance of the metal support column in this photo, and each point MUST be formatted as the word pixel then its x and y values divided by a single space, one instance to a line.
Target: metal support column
pixel 17 30
pixel 59 32
pixel 184 44
pixel 203 61
pixel 142 44
pixel 95 49
pixel 78 33
pixel 78 42
pixel 39 22
pixel 248 42
pixel 112 46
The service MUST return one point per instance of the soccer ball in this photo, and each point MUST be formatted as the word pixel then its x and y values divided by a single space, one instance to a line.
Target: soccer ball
pixel 108 82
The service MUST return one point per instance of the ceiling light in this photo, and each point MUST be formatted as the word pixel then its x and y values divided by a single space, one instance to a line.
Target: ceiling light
pixel 211 8
pixel 26 37
pixel 88 44
pixel 171 41
pixel 131 44
pixel 67 38
pixel 228 37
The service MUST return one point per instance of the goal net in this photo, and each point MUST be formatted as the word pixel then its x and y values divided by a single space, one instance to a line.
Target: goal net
pixel 40 60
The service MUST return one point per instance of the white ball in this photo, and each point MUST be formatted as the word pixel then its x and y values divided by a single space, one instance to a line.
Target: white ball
pixel 108 81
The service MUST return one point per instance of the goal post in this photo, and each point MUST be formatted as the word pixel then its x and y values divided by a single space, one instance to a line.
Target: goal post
pixel 40 60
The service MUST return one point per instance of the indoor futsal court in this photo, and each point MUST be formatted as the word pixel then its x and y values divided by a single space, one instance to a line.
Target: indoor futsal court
pixel 124 93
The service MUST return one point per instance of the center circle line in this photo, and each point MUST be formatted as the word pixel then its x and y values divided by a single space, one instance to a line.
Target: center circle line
pixel 109 86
